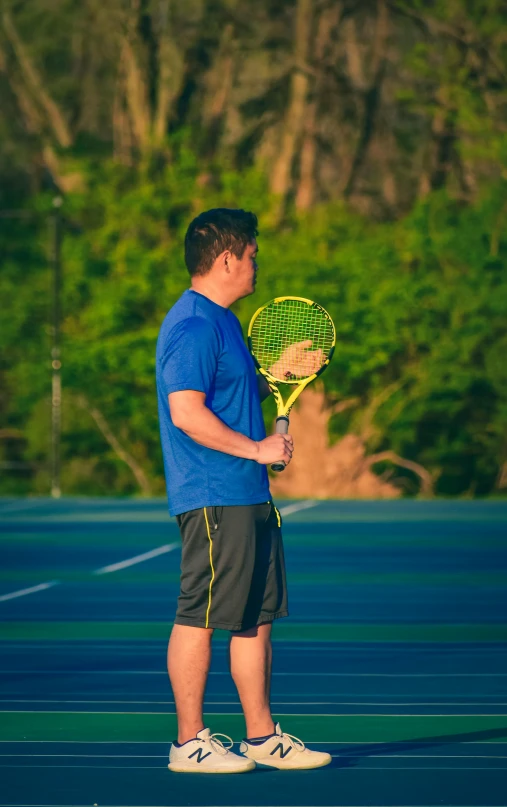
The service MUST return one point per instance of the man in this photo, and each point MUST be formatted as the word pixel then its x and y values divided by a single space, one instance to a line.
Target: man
pixel 215 455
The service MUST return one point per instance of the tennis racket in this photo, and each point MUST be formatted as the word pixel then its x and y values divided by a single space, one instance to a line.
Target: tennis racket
pixel 292 340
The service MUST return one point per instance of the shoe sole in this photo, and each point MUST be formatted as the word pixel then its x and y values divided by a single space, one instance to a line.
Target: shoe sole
pixel 175 768
pixel 282 767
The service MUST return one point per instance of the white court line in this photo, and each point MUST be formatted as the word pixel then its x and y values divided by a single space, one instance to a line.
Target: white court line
pixel 115 756
pixel 115 567
pixel 295 508
pixel 314 742
pixel 161 550
pixel 273 703
pixel 343 756
pixel 388 769
pixel 22 592
pixel 27 505
pixel 75 804
pixel 284 674
pixel 423 756
pixel 360 768
pixel 233 714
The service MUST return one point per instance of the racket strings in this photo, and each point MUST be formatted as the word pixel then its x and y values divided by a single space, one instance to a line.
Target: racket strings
pixel 281 335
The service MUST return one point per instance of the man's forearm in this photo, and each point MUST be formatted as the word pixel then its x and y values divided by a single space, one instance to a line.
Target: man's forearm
pixel 208 430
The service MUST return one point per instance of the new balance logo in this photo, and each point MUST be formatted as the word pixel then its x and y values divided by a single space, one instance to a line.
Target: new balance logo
pixel 200 755
pixel 280 748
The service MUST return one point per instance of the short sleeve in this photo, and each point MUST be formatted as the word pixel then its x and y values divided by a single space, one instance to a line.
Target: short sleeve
pixel 190 356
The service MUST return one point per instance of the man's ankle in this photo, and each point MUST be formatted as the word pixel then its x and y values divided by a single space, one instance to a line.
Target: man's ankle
pixel 264 729
pixel 189 733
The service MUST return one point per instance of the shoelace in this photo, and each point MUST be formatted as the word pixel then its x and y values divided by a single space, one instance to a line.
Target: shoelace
pixel 295 741
pixel 218 745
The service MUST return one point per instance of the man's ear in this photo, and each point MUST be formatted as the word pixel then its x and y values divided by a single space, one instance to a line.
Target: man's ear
pixel 226 258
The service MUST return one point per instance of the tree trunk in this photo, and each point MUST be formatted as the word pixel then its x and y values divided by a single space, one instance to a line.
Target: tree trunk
pixel 34 81
pixel 281 176
pixel 219 88
pixel 371 89
pixel 136 94
pixel 122 135
pixel 36 123
pixel 306 187
pixel 170 73
pixel 327 25
pixel 444 140
pixel 501 482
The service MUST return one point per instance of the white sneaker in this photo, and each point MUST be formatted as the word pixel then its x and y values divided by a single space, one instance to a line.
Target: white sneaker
pixel 207 754
pixel 285 752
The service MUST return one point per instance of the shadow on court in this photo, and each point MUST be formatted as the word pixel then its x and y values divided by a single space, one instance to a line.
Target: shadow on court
pixel 348 756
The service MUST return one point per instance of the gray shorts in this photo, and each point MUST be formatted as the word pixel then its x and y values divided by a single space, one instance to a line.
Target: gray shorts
pixel 232 567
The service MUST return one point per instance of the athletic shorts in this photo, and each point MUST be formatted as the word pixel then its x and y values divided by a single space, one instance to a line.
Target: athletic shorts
pixel 232 567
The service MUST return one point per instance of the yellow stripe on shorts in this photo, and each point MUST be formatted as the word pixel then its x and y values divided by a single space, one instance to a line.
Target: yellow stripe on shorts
pixel 278 516
pixel 211 564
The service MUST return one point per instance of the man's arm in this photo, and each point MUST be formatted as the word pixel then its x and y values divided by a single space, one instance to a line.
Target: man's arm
pixel 190 414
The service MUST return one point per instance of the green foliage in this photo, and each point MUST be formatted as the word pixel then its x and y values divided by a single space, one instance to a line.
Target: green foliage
pixel 419 307
pixel 390 155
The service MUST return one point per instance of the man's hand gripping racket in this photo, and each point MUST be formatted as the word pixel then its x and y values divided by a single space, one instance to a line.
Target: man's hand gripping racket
pixel 292 340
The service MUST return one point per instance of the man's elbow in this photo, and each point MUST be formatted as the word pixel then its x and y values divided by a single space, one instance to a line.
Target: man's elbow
pixel 180 417
pixel 184 408
pixel 179 420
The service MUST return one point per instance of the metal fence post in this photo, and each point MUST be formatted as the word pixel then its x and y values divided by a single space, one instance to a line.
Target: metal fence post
pixel 56 362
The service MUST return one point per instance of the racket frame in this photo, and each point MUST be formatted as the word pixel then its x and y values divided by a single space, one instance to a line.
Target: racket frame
pixel 284 408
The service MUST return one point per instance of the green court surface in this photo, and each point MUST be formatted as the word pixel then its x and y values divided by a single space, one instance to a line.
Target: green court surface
pixel 394 658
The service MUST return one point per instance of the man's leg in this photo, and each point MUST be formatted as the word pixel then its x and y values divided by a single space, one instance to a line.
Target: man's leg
pixel 250 660
pixel 188 661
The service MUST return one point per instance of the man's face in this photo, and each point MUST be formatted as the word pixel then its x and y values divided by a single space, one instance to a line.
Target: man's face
pixel 244 270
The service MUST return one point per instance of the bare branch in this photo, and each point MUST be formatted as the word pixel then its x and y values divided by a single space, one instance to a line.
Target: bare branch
pixel 67 182
pixel 419 470
pixel 432 26
pixel 341 406
pixel 34 123
pixel 11 434
pixel 55 117
pixel 122 453
pixel 501 482
pixel 374 405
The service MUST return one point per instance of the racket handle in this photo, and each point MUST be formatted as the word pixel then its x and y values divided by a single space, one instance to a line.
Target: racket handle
pixel 282 427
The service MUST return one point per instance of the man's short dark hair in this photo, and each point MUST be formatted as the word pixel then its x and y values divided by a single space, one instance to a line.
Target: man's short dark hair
pixel 214 231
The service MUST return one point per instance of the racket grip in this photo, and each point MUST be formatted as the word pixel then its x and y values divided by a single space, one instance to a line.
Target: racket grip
pixel 282 427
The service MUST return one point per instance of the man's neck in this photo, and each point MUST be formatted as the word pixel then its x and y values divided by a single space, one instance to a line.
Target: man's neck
pixel 212 291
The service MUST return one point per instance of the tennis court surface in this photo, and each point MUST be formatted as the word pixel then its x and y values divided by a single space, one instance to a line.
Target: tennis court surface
pixel 394 658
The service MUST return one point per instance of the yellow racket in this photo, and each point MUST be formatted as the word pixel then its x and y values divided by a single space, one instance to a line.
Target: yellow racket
pixel 292 340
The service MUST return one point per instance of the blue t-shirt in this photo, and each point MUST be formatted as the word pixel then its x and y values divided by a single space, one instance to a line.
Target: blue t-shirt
pixel 201 347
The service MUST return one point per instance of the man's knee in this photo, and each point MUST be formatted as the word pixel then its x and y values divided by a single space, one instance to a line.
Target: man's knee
pixel 191 634
pixel 262 631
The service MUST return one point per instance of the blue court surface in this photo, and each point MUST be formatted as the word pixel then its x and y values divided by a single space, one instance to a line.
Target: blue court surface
pixel 394 658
